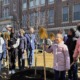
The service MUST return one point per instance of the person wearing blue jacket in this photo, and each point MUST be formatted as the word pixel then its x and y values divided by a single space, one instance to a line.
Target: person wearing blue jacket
pixel 30 46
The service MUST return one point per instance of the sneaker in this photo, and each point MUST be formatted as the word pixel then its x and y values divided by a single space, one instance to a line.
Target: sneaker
pixel 10 72
pixel 13 71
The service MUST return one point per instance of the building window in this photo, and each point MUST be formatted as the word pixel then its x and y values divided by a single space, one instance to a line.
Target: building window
pixel 24 4
pixel 14 6
pixel 6 13
pixel 42 18
pixel 65 13
pixel 5 2
pixel 42 2
pixel 63 0
pixel 24 20
pixel 36 18
pixel 51 16
pixel 31 3
pixel 76 12
pixel 32 19
pixel 50 1
pixel 37 2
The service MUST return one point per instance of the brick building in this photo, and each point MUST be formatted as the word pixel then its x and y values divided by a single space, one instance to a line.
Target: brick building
pixel 52 14
pixel 9 13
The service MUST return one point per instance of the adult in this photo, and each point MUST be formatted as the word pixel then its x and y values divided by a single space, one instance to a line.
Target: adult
pixel 1 49
pixel 21 49
pixel 11 52
pixel 13 43
pixel 9 29
pixel 77 37
pixel 71 43
pixel 30 46
pixel 6 37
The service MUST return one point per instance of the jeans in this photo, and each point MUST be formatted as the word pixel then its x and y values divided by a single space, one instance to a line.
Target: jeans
pixel 30 57
pixel 72 73
pixel 4 54
pixel 0 61
pixel 59 75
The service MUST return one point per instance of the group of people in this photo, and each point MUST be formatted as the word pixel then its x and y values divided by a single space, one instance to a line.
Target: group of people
pixel 66 49
pixel 12 44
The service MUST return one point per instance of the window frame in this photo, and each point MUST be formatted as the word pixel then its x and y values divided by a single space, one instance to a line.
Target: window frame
pixel 73 14
pixel 68 15
pixel 33 4
pixel 6 13
pixel 23 5
pixel 5 2
pixel 50 23
pixel 32 20
pixel 42 22
pixel 50 2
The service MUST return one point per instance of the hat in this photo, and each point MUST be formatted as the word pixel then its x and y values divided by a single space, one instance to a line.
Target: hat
pixel 9 26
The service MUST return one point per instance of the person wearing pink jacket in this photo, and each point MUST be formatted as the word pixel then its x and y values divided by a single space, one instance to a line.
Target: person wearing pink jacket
pixel 77 50
pixel 61 58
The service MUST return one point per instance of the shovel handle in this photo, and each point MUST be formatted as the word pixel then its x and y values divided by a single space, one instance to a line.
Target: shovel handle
pixel 72 64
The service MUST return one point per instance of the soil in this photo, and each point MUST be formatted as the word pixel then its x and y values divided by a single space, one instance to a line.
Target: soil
pixel 29 74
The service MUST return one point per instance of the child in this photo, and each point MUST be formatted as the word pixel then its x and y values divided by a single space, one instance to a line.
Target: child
pixel 6 37
pixel 1 49
pixel 61 58
pixel 22 49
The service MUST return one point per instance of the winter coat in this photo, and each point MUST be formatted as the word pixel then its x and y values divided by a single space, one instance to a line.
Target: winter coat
pixel 77 49
pixel 23 43
pixel 71 46
pixel 1 44
pixel 61 56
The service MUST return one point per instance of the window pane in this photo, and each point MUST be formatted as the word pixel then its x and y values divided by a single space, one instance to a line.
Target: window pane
pixel 65 17
pixel 31 3
pixel 50 1
pixel 32 19
pixel 51 16
pixel 77 16
pixel 77 8
pixel 24 1
pixel 14 7
pixel 42 18
pixel 24 5
pixel 63 0
pixel 6 13
pixel 5 1
pixel 24 20
pixel 37 2
pixel 76 12
pixel 42 1
pixel 65 13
